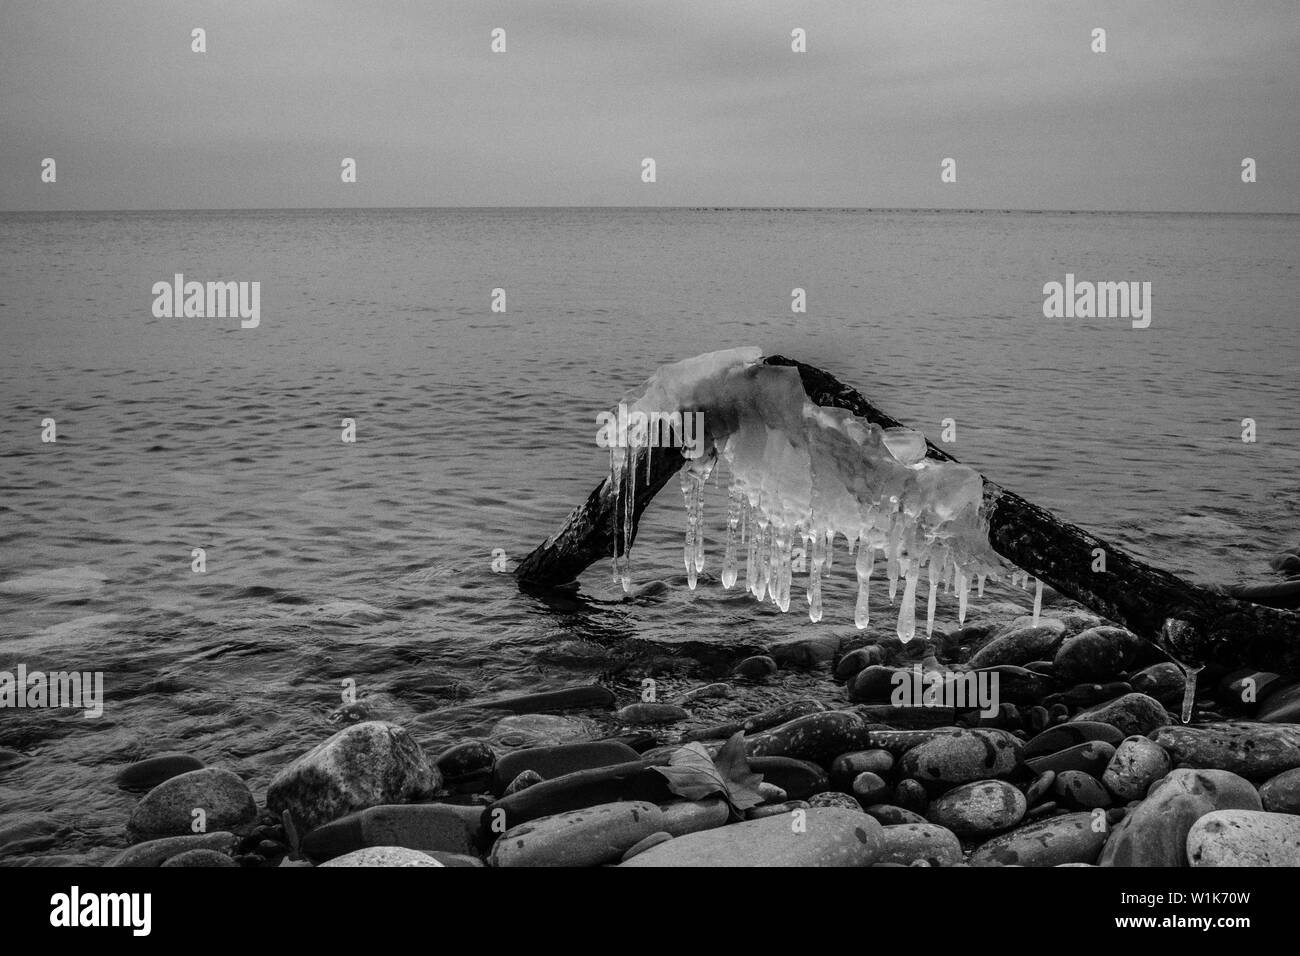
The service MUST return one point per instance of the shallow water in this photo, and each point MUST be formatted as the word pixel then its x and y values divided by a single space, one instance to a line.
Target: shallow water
pixel 329 562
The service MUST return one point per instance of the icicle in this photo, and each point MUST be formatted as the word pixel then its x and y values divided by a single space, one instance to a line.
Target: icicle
pixel 907 612
pixel 1189 692
pixel 962 585
pixel 784 549
pixel 1038 599
pixel 764 557
pixel 613 534
pixel 699 523
pixel 815 577
pixel 629 468
pixel 979 591
pixel 688 548
pixel 830 548
pixel 733 523
pixel 865 564
pixel 930 602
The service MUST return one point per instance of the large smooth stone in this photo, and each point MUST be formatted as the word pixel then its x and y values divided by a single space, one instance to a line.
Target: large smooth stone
pixel 1020 646
pixel 156 852
pixel 816 737
pixel 634 780
pixel 1131 714
pixel 1070 838
pixel 875 684
pixel 588 837
pixel 1070 734
pixel 1009 684
pixel 551 762
pixel 1257 751
pixel 1164 681
pixel 647 713
pixel 582 697
pixel 464 759
pixel 1281 794
pixel 978 809
pixel 1155 832
pixel 148 773
pixel 539 730
pixel 818 836
pixel 168 809
pixel 1097 654
pixel 383 856
pixel 200 859
pixel 1138 763
pixel 800 779
pixel 1244 838
pixel 781 714
pixel 416 826
pixel 960 756
pixel 365 765
pixel 857 660
pixel 805 651
pixel 907 842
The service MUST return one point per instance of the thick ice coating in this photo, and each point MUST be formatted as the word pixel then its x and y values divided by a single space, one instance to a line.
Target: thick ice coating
pixel 802 475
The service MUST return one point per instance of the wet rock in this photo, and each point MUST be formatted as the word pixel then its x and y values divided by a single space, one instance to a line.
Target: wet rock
pixel 758 667
pixel 148 773
pixel 960 756
pixel 199 858
pixel 652 840
pixel 830 837
pixel 556 761
pixel 1014 685
pixel 1063 736
pixel 361 766
pixel 916 718
pixel 1247 688
pixel 582 697
pixel 805 651
pixel 1091 758
pixel 833 798
pixel 1281 794
pixel 155 852
pixel 1131 714
pixel 707 692
pixel 418 826
pixel 1080 791
pixel 784 713
pixel 631 781
pixel 692 816
pixel 1021 645
pixel 470 757
pixel 908 842
pixel 911 795
pixel 539 730
pixel 1281 707
pixel 771 793
pixel 10 758
pixel 1096 654
pixel 383 856
pixel 978 809
pixel 1088 695
pixel 857 660
pixel 1138 763
pixel 847 766
pixel 588 837
pixel 816 737
pixel 1155 832
pixel 522 782
pixel 1244 838
pixel 870 789
pixel 1164 682
pixel 1256 751
pixel 644 713
pixel 1040 787
pixel 898 742
pixel 875 684
pixel 1070 838
pixel 169 808
pixel 799 779
pixel 890 815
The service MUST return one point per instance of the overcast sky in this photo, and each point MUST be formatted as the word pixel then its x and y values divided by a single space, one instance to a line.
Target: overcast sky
pixel 709 88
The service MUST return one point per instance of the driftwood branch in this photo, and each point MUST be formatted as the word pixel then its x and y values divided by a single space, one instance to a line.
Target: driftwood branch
pixel 1194 624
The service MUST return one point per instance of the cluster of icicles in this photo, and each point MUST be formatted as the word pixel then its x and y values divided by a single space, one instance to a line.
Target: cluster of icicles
pixel 769 551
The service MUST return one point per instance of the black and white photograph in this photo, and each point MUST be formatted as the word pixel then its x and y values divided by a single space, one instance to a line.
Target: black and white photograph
pixel 587 433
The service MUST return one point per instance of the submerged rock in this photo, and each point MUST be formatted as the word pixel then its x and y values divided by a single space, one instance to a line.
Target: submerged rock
pixel 830 836
pixel 651 714
pixel 361 766
pixel 148 773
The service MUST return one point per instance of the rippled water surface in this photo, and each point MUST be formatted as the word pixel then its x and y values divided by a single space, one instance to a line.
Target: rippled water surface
pixel 329 562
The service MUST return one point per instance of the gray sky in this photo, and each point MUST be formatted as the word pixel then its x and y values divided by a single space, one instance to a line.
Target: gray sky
pixel 709 88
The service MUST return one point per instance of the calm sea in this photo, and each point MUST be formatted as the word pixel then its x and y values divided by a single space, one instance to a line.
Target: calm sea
pixel 371 562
